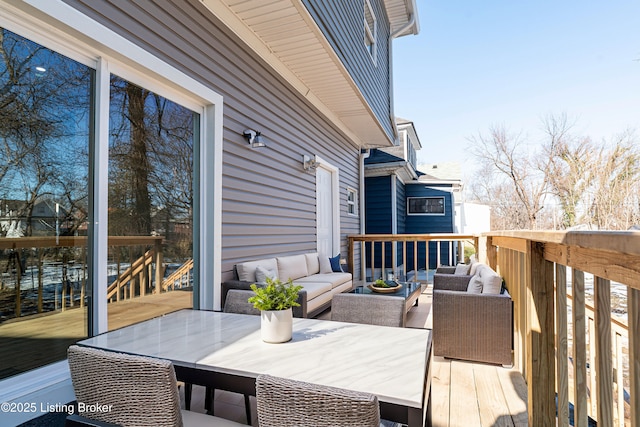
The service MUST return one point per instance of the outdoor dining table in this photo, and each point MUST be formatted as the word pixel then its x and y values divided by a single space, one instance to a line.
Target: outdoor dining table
pixel 225 351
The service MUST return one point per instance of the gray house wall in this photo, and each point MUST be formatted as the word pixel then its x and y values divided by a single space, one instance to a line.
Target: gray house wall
pixel 342 22
pixel 268 205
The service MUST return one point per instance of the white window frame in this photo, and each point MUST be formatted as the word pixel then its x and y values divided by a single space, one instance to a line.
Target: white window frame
pixel 371 36
pixel 444 206
pixel 352 202
pixel 107 52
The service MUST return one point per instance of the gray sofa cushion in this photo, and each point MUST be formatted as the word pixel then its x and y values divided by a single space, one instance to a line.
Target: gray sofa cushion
pixel 315 289
pixel 335 279
pixel 292 267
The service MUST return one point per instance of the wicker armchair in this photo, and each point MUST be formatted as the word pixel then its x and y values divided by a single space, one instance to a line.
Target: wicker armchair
pixel 289 403
pixel 382 310
pixel 136 391
pixel 476 327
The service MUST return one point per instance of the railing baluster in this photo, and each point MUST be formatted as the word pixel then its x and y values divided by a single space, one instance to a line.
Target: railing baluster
pixel 593 401
pixel 633 319
pixel 561 346
pixel 579 349
pixel 604 372
pixel 373 260
pixel 619 379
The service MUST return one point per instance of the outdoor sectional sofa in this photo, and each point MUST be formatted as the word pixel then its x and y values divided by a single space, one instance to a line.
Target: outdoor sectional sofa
pixel 472 315
pixel 311 271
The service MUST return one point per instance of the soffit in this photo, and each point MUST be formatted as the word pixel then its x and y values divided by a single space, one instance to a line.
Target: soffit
pixel 400 13
pixel 283 33
pixel 401 169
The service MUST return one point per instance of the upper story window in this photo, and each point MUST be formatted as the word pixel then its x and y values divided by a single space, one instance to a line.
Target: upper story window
pixel 425 205
pixel 352 196
pixel 370 30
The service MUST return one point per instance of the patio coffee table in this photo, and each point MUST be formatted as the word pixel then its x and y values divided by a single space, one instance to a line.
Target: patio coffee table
pixel 410 291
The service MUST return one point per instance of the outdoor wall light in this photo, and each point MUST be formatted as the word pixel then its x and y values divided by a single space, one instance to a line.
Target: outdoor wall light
pixel 254 138
pixel 309 164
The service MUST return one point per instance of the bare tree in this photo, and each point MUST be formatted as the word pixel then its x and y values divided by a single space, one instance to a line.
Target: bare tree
pixel 506 153
pixel 570 171
pixel 614 202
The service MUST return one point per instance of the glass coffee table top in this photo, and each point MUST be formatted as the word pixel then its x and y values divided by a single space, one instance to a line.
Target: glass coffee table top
pixel 408 290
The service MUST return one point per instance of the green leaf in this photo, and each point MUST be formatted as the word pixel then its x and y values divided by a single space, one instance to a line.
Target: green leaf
pixel 275 295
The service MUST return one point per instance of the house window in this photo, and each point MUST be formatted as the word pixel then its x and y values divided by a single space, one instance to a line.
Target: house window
pixel 151 169
pixel 54 157
pixel 45 129
pixel 352 196
pixel 425 205
pixel 370 31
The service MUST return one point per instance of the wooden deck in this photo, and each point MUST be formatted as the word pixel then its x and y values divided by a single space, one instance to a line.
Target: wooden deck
pixel 463 394
pixel 30 342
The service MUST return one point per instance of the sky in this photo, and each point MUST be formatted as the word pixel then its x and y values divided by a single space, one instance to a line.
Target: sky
pixel 478 64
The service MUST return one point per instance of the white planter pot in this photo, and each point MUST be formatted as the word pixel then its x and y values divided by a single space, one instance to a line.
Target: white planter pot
pixel 276 326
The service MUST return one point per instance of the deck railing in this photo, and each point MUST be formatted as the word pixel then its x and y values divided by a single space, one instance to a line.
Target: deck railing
pixel 534 266
pixel 135 259
pixel 408 255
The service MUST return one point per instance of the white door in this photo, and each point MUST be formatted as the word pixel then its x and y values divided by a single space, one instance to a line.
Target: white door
pixel 325 221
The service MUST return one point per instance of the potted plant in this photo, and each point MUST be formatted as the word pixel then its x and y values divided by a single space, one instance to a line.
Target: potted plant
pixel 275 300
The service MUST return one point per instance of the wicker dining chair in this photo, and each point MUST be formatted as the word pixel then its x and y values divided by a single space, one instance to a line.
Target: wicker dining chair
pixel 289 403
pixel 237 302
pixel 131 391
pixel 382 310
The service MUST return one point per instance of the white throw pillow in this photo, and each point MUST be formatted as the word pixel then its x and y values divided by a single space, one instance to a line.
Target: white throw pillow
pixel 263 272
pixel 325 264
pixel 473 268
pixel 475 285
pixel 313 263
pixel 492 284
pixel 462 269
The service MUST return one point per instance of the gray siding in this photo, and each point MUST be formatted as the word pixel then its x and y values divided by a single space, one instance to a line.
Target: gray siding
pixel 342 23
pixel 268 199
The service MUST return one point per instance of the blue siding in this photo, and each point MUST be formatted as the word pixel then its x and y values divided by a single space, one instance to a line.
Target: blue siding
pixel 378 216
pixel 378 205
pixel 416 224
pixel 342 23
pixel 401 209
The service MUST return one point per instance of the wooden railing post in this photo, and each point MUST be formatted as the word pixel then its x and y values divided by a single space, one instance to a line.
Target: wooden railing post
pixel 492 254
pixel 540 339
pixel 157 249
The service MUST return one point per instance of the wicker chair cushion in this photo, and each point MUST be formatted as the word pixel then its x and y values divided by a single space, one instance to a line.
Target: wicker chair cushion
pixel 139 391
pixel 462 269
pixel 475 285
pixel 288 403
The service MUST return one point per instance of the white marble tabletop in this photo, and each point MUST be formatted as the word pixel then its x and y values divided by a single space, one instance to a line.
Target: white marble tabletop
pixel 388 362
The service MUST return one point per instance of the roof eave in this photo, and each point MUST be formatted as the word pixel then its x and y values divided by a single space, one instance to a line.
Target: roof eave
pixel 328 85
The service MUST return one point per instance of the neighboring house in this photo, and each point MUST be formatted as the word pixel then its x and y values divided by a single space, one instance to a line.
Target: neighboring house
pixel 469 217
pixel 403 198
pixel 17 219
pixel 312 76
